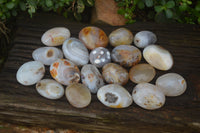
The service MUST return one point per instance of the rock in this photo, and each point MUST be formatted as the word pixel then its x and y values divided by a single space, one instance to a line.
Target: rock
pixel 106 11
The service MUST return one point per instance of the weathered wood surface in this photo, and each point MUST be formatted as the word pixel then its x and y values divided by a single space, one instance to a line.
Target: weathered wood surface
pixel 23 105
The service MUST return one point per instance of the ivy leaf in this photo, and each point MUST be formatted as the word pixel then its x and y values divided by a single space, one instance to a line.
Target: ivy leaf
pixel 80 6
pixel 163 2
pixel 2 1
pixel 199 20
pixel 183 7
pixel 169 13
pixel 22 6
pixel 121 4
pixel 141 5
pixel 149 3
pixel 10 5
pixel 158 9
pixel 170 4
pixel 121 11
pixel 197 8
pixel 90 2
pixel 49 3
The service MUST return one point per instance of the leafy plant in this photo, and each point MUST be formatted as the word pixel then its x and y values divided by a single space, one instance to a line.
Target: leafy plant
pixel 183 11
pixel 10 8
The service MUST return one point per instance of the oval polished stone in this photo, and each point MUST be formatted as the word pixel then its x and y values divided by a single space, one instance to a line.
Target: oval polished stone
pixel 93 37
pixel 115 74
pixel 91 77
pixel 120 36
pixel 65 72
pixel 158 57
pixel 144 38
pixel 126 55
pixel 114 96
pixel 47 55
pixel 99 57
pixel 148 96
pixel 55 36
pixel 142 73
pixel 78 95
pixel 75 51
pixel 172 84
pixel 50 89
pixel 30 73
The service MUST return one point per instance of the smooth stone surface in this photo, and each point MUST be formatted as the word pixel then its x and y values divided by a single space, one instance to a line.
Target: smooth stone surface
pixel 47 55
pixel 65 72
pixel 75 51
pixel 172 84
pixel 30 73
pixel 158 57
pixel 126 55
pixel 50 89
pixel 91 77
pixel 121 36
pixel 115 74
pixel 78 95
pixel 148 96
pixel 55 36
pixel 114 96
pixel 142 73
pixel 93 37
pixel 144 38
pixel 100 56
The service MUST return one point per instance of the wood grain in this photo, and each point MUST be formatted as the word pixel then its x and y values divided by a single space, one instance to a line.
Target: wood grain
pixel 23 105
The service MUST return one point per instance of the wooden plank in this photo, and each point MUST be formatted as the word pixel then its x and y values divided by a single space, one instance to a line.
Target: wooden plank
pixel 22 104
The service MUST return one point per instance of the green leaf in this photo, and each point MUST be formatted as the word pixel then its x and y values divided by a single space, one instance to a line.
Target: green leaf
pixel 141 5
pixel 199 20
pixel 149 3
pixel 49 3
pixel 170 4
pixel 22 6
pixel 183 7
pixel 90 2
pixel 80 6
pixel 10 5
pixel 163 2
pixel 121 11
pixel 189 2
pixel 158 9
pixel 121 4
pixel 197 8
pixel 65 14
pixel 169 13
pixel 2 1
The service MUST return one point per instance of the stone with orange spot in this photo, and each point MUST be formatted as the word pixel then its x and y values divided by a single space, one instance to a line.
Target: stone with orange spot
pixel 91 77
pixel 172 84
pixel 93 37
pixel 114 96
pixel 67 72
pixel 55 36
pixel 126 55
